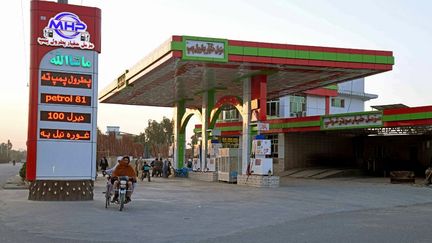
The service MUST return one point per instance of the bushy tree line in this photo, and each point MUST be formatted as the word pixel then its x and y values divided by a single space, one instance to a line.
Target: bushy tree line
pixel 154 141
pixel 7 153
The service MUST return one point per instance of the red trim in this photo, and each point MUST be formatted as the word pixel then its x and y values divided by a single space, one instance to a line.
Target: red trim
pixel 231 133
pixel 303 62
pixel 224 124
pixel 420 122
pixel 408 110
pixel 308 48
pixel 177 38
pixel 294 119
pixel 302 129
pixel 177 54
pixel 322 92
pixel 229 99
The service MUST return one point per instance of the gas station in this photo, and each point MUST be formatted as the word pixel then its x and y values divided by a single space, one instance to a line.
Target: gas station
pixel 200 75
pixel 203 76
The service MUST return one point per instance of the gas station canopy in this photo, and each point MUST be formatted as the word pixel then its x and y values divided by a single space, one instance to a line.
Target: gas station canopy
pixel 184 67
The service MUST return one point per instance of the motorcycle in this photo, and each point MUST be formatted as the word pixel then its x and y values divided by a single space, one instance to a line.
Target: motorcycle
pixel 145 173
pixel 122 190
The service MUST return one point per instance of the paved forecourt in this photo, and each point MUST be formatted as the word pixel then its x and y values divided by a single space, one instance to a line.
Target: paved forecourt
pixel 182 210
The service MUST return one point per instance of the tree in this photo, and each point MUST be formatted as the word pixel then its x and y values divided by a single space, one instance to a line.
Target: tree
pixel 118 145
pixel 158 136
pixel 7 153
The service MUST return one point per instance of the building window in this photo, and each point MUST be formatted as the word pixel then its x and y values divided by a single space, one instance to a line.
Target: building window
pixel 228 114
pixel 338 102
pixel 274 145
pixel 273 107
pixel 297 106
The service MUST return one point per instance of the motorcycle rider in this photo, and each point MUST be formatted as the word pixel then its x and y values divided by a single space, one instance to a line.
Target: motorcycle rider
pixel 124 169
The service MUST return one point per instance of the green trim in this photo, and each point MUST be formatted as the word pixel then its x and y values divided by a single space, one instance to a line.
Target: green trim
pixel 332 87
pixel 282 53
pixel 176 46
pixel 209 59
pixel 295 124
pixel 407 117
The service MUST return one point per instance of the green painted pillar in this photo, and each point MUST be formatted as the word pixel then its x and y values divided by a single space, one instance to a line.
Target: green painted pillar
pixel 179 135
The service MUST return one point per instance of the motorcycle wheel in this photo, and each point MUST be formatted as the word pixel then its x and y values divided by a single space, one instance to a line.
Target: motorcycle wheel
pixel 107 201
pixel 122 201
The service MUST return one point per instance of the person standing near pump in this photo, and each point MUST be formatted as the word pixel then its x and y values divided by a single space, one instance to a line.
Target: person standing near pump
pixel 124 169
pixel 165 169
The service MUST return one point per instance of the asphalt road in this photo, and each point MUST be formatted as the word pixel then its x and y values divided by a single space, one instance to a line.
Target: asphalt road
pixel 181 210
pixel 8 170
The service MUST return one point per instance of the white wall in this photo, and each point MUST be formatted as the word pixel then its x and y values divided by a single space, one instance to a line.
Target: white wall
pixel 315 105
pixel 351 105
pixel 284 106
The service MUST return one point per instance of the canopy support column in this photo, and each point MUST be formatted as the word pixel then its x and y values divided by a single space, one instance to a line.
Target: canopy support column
pixel 179 135
pixel 259 92
pixel 207 107
pixel 246 114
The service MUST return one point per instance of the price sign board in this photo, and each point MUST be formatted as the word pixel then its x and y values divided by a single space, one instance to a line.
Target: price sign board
pixel 65 44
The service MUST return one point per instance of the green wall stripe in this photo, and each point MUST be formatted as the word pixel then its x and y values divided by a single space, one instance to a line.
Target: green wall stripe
pixel 295 124
pixel 176 46
pixel 296 54
pixel 405 117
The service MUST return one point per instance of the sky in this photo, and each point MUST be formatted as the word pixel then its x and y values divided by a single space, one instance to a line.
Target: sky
pixel 133 28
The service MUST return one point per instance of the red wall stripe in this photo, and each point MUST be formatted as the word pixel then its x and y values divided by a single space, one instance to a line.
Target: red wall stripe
pixel 408 110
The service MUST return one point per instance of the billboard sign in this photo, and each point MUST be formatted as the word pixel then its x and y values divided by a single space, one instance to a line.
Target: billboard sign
pixel 62 130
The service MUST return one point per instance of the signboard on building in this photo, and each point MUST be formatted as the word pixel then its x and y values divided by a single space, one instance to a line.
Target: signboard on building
pixel 353 120
pixel 205 49
pixel 261 126
pixel 230 140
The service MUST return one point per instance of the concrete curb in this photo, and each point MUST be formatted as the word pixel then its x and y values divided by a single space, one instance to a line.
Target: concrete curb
pixel 15 183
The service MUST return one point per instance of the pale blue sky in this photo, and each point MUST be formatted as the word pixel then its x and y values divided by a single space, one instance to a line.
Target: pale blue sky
pixel 131 29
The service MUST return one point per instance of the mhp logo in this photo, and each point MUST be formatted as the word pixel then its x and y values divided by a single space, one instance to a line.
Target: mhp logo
pixel 67 25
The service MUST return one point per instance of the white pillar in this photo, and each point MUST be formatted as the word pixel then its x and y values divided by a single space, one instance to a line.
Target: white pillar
pixel 204 129
pixel 246 115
